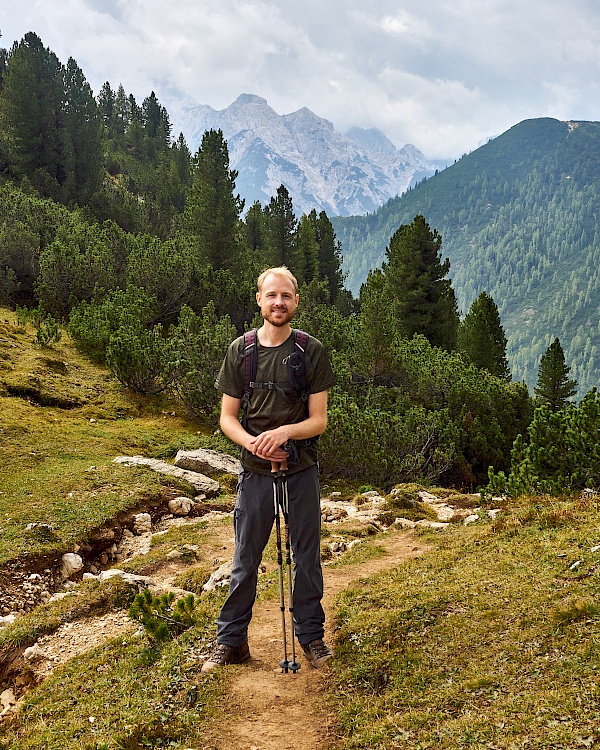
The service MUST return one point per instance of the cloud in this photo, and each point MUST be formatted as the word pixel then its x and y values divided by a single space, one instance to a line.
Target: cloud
pixel 443 76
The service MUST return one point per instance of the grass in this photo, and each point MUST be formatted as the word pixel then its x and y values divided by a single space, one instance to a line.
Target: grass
pixel 56 463
pixel 490 641
pixel 62 422
pixel 125 694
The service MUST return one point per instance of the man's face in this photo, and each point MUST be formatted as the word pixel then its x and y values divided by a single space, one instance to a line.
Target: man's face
pixel 277 300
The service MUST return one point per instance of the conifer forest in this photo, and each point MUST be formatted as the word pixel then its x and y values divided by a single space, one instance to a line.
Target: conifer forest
pixel 112 229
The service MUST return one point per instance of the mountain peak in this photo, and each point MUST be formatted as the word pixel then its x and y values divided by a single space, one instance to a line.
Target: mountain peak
pixel 320 167
pixel 246 99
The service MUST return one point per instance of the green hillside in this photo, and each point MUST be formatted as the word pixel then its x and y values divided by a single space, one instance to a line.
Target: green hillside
pixel 519 219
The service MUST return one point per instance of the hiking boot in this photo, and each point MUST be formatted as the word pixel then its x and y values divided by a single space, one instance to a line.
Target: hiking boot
pixel 224 654
pixel 317 652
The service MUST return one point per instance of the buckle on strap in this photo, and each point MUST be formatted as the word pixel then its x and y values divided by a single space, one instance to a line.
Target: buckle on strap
pixel 270 385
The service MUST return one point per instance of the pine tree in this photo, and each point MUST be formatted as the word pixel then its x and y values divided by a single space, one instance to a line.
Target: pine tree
pixel 306 261
pixel 420 297
pixel 255 230
pixel 329 256
pixel 482 339
pixel 122 111
pixel 212 210
pixel 106 107
pixel 32 116
pixel 85 134
pixel 281 224
pixel 554 386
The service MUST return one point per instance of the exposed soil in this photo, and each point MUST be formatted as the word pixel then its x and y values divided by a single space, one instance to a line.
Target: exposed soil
pixel 265 709
pixel 270 710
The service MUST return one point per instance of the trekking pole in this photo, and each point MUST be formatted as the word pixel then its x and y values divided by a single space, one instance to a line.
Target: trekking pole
pixel 285 507
pixel 280 499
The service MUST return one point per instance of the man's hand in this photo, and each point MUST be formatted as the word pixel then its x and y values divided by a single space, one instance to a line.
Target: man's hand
pixel 268 444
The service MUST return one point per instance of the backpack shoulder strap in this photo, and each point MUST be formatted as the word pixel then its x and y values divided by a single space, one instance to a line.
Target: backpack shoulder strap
pixel 250 369
pixel 300 341
pixel 298 377
pixel 250 358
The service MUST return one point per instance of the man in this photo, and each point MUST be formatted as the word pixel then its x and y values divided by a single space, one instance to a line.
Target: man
pixel 275 418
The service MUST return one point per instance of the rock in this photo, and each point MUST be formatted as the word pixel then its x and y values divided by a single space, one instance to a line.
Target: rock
pixel 436 525
pixel 220 577
pixel 103 539
pixel 330 514
pixel 140 581
pixel 370 493
pixel 7 698
pixel 493 512
pixel 405 523
pixel 142 524
pixel 199 482
pixel 34 653
pixel 7 620
pixel 443 511
pixel 333 495
pixel 71 564
pixel 203 460
pixel 45 526
pixel 60 595
pixel 471 519
pixel 181 506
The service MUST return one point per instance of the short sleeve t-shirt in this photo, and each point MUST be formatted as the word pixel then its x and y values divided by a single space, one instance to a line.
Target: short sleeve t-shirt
pixel 272 408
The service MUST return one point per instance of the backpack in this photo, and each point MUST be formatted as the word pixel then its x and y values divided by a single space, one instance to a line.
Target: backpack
pixel 296 362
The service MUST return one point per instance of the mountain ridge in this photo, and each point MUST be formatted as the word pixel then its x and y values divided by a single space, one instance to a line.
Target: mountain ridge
pixel 518 220
pixel 341 174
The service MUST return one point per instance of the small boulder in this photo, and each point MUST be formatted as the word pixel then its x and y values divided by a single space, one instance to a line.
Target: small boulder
pixel 220 577
pixel 71 564
pixel 181 506
pixel 7 698
pixel 142 524
pixel 34 653
pixel 203 460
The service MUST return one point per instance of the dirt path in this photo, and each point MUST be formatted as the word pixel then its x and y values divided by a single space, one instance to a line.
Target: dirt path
pixel 269 710
pixel 264 709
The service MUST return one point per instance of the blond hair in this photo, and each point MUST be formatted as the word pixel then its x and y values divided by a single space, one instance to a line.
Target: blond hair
pixel 279 271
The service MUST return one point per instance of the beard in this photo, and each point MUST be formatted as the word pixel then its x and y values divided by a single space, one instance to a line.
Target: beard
pixel 279 318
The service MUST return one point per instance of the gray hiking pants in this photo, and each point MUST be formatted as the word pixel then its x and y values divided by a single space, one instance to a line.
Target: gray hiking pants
pixel 253 520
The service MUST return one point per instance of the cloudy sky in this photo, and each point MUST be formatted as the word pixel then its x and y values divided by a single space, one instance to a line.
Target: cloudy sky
pixel 444 75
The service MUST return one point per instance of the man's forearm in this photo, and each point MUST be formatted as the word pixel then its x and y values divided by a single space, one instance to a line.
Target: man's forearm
pixel 232 427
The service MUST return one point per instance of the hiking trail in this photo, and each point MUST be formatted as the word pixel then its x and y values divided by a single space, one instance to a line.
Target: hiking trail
pixel 267 709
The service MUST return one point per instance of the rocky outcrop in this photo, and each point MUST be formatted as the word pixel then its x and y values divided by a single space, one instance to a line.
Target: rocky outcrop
pixel 199 482
pixel 203 460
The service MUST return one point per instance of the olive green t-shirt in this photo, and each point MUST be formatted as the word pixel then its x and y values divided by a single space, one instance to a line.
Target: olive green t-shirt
pixel 270 408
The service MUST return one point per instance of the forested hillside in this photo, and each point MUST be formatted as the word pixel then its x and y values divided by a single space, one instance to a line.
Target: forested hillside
pixel 143 253
pixel 519 220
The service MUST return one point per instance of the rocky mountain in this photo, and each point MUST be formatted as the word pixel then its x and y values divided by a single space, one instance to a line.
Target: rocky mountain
pixel 344 175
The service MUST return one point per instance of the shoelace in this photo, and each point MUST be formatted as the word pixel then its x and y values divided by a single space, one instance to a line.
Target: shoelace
pixel 219 652
pixel 319 649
